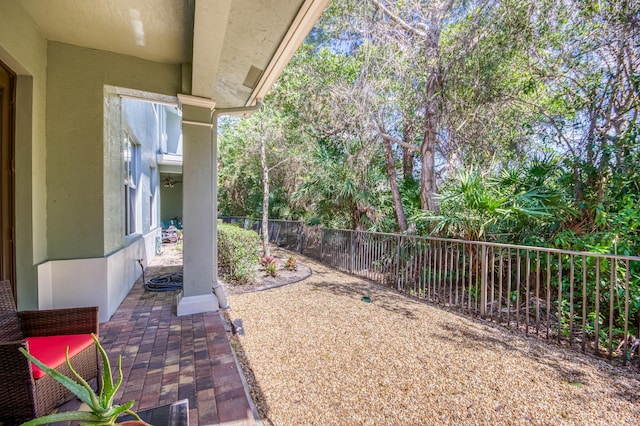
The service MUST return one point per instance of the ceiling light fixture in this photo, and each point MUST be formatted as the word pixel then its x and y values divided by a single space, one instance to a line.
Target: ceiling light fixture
pixel 170 182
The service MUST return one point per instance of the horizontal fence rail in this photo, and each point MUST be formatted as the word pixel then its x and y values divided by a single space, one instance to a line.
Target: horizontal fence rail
pixel 590 301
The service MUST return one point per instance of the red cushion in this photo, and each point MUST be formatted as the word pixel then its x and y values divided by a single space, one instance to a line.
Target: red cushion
pixel 51 350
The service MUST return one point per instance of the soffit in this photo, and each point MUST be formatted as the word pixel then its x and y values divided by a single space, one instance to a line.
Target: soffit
pixel 156 30
pixel 254 31
pixel 221 39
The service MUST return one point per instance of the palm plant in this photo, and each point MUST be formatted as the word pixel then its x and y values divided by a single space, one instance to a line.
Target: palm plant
pixel 517 202
pixel 102 410
pixel 468 210
pixel 343 191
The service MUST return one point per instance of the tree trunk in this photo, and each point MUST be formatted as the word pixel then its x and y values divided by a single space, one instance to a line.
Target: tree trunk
pixel 398 209
pixel 433 89
pixel 408 155
pixel 427 148
pixel 265 198
pixel 427 187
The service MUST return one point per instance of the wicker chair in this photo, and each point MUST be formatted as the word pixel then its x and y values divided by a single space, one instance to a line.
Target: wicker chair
pixel 22 397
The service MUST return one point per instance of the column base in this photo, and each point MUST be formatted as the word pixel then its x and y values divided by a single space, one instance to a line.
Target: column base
pixel 196 304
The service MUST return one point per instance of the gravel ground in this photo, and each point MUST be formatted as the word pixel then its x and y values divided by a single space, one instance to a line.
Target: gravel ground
pixel 315 353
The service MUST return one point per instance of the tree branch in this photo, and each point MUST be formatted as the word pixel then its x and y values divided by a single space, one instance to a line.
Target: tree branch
pixel 552 122
pixel 398 20
pixel 278 164
pixel 388 137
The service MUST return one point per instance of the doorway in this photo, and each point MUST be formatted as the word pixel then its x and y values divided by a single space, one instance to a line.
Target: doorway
pixel 7 175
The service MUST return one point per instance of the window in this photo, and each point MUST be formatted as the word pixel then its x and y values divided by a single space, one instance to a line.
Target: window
pixel 131 176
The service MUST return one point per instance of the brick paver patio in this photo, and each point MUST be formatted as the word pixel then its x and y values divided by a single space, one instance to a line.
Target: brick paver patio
pixel 166 358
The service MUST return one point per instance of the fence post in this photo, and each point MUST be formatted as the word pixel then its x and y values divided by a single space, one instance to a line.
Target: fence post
pixel 351 252
pixel 300 238
pixel 321 244
pixel 398 261
pixel 483 282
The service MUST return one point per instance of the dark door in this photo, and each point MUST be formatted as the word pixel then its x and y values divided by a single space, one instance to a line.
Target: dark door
pixel 7 218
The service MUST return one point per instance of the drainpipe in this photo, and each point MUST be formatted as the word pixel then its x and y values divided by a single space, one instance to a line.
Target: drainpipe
pixel 217 287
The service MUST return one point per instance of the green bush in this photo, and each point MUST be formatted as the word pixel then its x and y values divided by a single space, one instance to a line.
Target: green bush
pixel 237 253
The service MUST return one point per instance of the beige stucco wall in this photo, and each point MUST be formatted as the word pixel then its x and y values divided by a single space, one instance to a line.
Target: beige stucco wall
pixel 84 171
pixel 24 49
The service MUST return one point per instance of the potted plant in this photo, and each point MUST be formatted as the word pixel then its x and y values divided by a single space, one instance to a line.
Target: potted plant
pixel 102 410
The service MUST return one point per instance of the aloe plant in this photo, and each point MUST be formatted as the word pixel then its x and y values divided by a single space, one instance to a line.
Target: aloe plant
pixel 102 410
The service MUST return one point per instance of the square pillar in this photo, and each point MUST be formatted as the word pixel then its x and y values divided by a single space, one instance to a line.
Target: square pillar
pixel 199 205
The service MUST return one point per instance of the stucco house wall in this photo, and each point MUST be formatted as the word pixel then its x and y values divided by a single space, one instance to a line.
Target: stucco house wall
pixel 75 126
pixel 144 122
pixel 71 244
pixel 23 48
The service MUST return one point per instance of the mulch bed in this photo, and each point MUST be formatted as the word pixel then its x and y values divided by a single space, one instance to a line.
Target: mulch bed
pixel 263 281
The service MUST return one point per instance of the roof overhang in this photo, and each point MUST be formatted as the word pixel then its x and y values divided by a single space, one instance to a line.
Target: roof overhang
pixel 232 51
pixel 241 47
pixel 305 19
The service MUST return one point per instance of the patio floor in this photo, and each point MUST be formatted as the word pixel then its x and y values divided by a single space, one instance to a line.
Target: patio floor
pixel 166 358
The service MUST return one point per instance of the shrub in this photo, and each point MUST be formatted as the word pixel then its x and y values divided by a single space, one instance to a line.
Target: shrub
pixel 291 264
pixel 266 260
pixel 237 253
pixel 270 266
pixel 271 269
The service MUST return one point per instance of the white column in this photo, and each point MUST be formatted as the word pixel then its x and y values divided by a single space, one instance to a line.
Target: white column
pixel 199 181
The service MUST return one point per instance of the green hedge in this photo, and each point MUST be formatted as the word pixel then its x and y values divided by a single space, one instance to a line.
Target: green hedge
pixel 238 253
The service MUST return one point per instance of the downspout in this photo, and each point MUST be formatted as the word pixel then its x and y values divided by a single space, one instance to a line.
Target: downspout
pixel 217 287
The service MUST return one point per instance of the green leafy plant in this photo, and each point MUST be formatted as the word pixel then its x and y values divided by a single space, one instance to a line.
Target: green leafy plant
pixel 102 410
pixel 485 206
pixel 237 253
pixel 271 269
pixel 291 264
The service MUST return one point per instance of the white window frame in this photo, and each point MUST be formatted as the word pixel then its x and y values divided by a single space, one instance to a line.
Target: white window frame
pixel 131 165
pixel 153 197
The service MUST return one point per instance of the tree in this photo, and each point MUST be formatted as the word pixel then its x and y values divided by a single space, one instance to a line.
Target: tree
pixel 251 149
pixel 343 186
pixel 387 101
pixel 274 133
pixel 421 24
pixel 432 75
pixel 587 61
